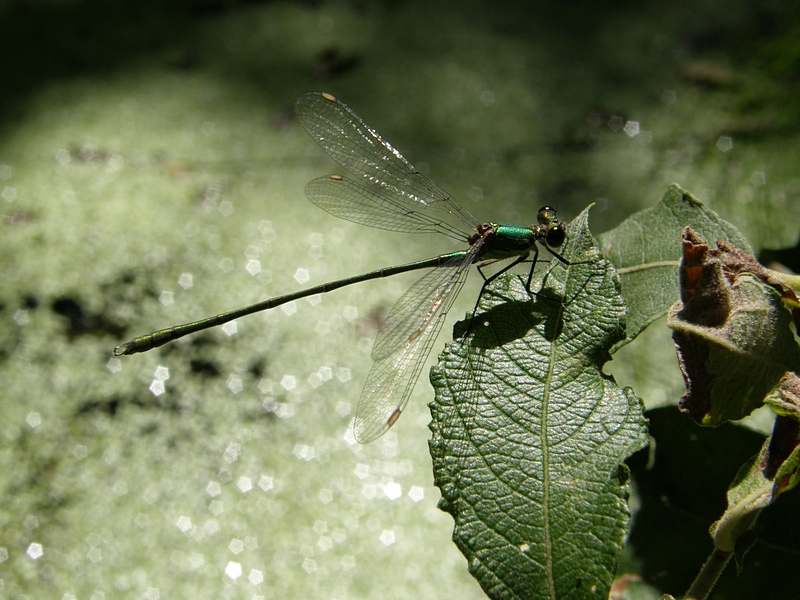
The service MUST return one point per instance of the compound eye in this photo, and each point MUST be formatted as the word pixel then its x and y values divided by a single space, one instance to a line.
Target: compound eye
pixel 546 215
pixel 555 236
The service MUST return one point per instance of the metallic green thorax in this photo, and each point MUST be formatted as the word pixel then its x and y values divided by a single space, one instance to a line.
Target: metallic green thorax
pixel 494 241
pixel 507 241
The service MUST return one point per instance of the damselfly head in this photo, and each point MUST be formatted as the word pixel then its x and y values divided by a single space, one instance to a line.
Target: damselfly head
pixel 554 232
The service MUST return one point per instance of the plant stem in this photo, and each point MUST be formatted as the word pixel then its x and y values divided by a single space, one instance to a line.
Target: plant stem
pixel 708 575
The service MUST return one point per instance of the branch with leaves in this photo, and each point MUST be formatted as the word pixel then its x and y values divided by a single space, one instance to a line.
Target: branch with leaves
pixel 530 435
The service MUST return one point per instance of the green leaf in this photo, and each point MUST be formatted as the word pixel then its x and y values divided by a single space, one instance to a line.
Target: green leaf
pixel 646 251
pixel 529 434
pixel 774 471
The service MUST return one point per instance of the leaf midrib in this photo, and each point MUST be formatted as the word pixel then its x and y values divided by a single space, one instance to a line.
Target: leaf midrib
pixel 646 266
pixel 546 463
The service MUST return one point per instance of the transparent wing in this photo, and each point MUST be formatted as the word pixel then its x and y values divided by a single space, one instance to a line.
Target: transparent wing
pixel 353 202
pixel 359 149
pixel 403 344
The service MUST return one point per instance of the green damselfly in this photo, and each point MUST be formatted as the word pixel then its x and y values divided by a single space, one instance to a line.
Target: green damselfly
pixel 390 194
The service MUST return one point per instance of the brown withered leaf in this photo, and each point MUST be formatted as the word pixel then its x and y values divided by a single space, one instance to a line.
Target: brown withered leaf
pixel 731 330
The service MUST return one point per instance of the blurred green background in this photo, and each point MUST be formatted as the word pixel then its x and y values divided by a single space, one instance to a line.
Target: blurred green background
pixel 152 173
